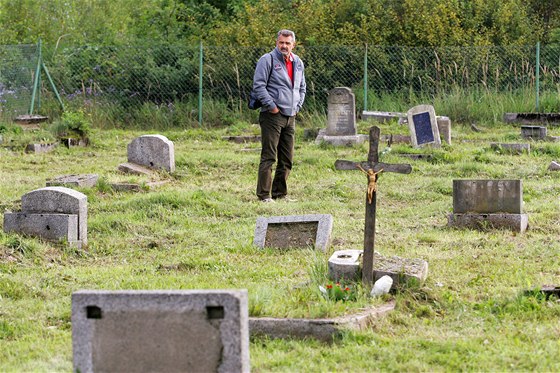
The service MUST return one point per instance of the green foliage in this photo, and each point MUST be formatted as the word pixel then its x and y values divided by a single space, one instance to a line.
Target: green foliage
pixel 75 124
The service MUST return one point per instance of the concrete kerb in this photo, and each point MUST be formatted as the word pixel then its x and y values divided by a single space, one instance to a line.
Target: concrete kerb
pixel 325 330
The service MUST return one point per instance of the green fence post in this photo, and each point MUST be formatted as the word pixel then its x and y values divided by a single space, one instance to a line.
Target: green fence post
pixel 37 79
pixel 537 72
pixel 365 79
pixel 200 61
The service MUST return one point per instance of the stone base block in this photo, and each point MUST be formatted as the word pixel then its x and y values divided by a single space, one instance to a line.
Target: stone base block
pixel 401 270
pixel 514 222
pixel 345 264
pixel 51 227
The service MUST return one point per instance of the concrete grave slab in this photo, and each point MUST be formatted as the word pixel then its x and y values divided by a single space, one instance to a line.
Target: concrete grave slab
pixel 382 116
pixel 511 148
pixel 58 200
pixel 51 227
pixel 294 231
pixel 325 330
pixel 152 151
pixel 533 132
pixel 160 331
pixel 84 181
pixel 401 270
pixel 242 139
pixel 40 148
pixel 423 126
pixel 136 169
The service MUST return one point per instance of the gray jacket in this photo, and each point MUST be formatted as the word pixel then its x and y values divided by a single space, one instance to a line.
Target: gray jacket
pixel 279 92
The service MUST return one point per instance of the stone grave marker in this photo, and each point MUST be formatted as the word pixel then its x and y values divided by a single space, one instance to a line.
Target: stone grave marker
pixel 533 132
pixel 341 123
pixel 160 331
pixel 423 126
pixel 52 213
pixel 511 148
pixel 84 181
pixel 372 167
pixel 40 148
pixel 149 151
pixel 294 231
pixel 488 203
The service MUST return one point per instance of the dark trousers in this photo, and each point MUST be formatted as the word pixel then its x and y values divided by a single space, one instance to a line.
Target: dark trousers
pixel 277 138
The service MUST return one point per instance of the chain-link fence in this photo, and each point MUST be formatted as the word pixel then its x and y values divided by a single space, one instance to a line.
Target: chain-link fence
pixel 165 74
pixel 17 67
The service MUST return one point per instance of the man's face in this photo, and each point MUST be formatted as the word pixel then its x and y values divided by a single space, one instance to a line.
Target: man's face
pixel 285 44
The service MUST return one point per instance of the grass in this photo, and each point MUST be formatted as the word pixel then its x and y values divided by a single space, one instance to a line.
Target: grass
pixel 196 232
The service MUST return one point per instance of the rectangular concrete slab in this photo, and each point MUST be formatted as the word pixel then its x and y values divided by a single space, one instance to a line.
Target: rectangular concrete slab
pixel 487 196
pixel 52 227
pixel 160 331
pixel 294 231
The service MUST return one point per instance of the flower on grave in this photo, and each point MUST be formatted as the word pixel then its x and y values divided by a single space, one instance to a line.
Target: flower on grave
pixel 337 291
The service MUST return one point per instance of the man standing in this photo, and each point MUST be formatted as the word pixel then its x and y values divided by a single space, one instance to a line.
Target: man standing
pixel 279 83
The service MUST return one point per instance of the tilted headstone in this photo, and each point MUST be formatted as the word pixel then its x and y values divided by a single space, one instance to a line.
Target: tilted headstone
pixel 40 210
pixel 294 231
pixel 488 203
pixel 160 331
pixel 152 151
pixel 341 122
pixel 423 126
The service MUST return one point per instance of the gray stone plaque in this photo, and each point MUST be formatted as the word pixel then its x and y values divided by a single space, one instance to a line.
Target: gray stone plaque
pixel 487 196
pixel 160 331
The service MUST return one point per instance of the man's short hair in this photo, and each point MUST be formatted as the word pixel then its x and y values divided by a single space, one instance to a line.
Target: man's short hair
pixel 286 33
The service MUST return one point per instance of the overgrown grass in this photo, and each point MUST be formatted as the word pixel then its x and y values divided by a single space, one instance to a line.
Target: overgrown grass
pixel 196 232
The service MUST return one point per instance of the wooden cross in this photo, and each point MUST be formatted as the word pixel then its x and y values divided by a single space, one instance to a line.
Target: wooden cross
pixel 373 167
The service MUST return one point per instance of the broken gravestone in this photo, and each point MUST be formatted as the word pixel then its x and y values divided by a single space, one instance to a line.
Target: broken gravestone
pixel 51 213
pixel 481 204
pixel 294 231
pixel 147 153
pixel 160 331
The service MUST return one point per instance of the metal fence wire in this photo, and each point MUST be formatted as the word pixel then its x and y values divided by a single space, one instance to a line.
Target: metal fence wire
pixel 165 74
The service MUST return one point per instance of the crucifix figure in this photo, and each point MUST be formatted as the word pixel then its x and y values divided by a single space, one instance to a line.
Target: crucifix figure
pixel 372 167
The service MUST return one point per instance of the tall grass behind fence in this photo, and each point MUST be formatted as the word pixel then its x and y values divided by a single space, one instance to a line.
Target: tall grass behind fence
pixel 17 69
pixel 166 77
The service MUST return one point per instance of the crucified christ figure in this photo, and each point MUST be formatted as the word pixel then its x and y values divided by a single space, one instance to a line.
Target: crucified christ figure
pixel 372 181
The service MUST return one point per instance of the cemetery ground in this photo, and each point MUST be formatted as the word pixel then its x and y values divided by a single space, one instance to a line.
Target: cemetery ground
pixel 475 312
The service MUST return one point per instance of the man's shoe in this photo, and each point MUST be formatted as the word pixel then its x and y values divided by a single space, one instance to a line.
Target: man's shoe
pixel 267 200
pixel 285 199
